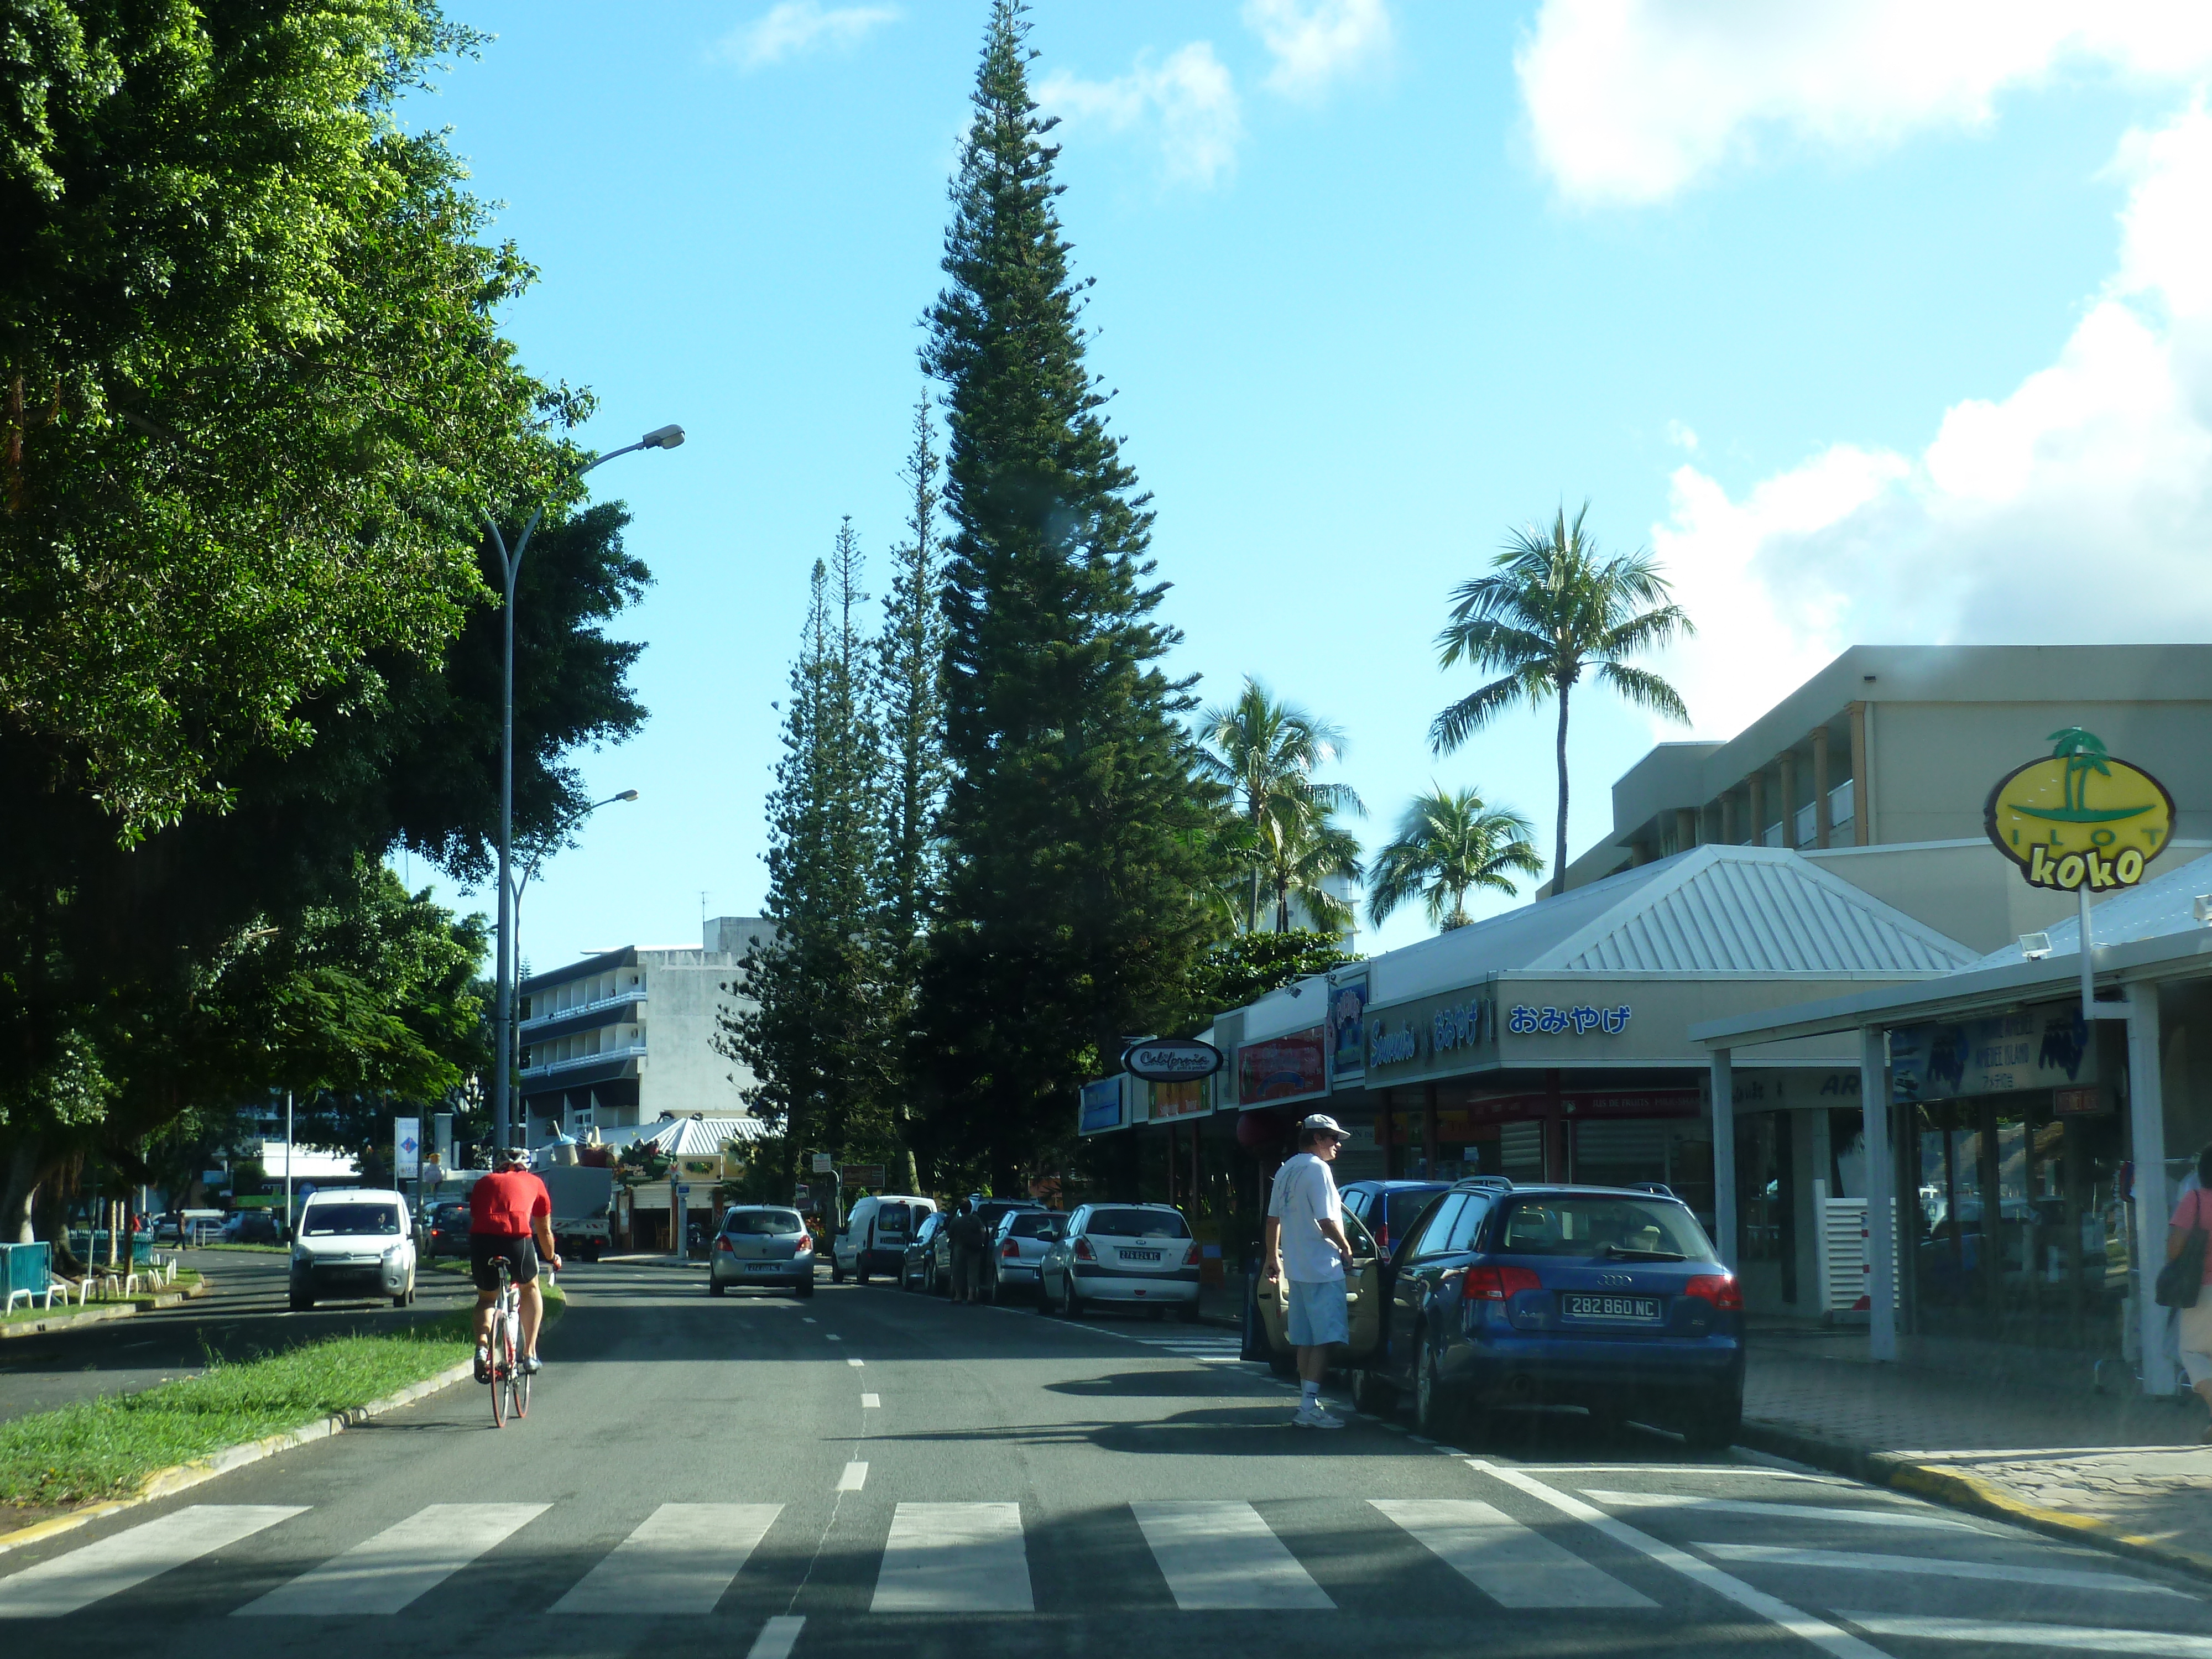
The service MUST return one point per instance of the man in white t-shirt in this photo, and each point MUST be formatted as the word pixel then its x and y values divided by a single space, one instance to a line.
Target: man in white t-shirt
pixel 1303 1238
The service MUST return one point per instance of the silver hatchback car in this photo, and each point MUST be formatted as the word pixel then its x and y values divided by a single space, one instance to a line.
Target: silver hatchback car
pixel 763 1246
pixel 1139 1255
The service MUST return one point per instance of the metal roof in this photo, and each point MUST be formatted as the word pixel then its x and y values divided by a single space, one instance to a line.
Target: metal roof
pixel 1711 910
pixel 700 1137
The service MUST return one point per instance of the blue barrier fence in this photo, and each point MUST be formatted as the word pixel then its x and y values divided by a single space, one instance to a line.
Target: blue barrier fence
pixel 28 1267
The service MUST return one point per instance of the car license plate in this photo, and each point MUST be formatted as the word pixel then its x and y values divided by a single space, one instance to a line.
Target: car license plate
pixel 768 1266
pixel 1140 1255
pixel 1643 1309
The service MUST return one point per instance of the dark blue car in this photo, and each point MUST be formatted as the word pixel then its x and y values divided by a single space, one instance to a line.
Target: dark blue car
pixel 1605 1298
pixel 1389 1207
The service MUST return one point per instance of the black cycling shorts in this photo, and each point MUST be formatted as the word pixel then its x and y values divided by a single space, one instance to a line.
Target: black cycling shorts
pixel 521 1251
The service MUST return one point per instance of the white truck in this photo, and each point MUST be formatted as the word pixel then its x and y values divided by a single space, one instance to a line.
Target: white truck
pixel 582 1197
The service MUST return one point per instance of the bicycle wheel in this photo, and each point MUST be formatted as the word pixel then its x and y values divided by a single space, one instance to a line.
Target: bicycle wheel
pixel 502 1367
pixel 517 1404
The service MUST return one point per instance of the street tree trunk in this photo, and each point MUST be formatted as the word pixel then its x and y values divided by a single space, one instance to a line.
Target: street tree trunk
pixel 1559 843
pixel 17 1198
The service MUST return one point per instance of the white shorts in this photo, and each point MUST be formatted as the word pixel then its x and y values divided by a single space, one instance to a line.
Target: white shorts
pixel 1318 1316
pixel 2195 1336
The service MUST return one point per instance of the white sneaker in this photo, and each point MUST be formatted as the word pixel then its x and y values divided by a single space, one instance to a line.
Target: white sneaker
pixel 1315 1416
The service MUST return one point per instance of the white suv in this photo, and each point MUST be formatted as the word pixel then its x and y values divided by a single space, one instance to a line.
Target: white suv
pixel 353 1242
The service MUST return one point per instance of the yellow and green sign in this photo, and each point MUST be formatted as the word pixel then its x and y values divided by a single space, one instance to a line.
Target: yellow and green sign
pixel 2080 817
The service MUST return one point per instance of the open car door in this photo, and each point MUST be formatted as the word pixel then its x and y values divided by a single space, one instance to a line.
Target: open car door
pixel 1362 1295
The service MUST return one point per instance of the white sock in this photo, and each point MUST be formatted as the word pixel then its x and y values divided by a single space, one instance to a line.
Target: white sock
pixel 1310 1396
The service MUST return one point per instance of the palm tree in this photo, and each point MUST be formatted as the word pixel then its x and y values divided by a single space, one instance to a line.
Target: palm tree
pixel 1550 610
pixel 1448 842
pixel 1298 855
pixel 1265 753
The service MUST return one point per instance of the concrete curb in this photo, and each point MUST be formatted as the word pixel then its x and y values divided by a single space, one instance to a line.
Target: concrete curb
pixel 114 1311
pixel 1969 1493
pixel 181 1477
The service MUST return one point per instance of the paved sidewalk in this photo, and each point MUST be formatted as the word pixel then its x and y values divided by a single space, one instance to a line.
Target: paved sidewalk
pixel 2110 1468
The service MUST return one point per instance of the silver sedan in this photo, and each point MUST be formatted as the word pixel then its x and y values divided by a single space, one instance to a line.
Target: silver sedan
pixel 763 1247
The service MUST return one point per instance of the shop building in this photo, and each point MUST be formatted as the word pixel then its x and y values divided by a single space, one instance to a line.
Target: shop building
pixel 628 1036
pixel 2023 1160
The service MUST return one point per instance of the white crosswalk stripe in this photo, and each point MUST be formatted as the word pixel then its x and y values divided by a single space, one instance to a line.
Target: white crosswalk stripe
pixel 1216 1555
pixel 955 1557
pixel 1513 1565
pixel 129 1557
pixel 1848 1514
pixel 1927 1567
pixel 2070 1638
pixel 383 1574
pixel 680 1559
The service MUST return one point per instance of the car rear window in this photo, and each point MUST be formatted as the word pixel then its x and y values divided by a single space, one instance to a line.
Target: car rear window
pixel 1030 1224
pixel 1402 1210
pixel 1138 1224
pixel 1587 1224
pixel 348 1220
pixel 450 1215
pixel 764 1223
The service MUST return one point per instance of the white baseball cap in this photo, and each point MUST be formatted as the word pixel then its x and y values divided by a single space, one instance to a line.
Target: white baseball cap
pixel 1324 1123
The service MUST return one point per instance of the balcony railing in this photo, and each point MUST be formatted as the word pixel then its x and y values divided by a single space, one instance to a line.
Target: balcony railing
pixel 550 1066
pixel 614 1001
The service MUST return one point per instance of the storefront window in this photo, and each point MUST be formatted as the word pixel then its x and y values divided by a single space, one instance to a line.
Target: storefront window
pixel 1766 1211
pixel 2020 1233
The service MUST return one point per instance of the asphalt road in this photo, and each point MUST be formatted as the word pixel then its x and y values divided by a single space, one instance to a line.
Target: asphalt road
pixel 245 1314
pixel 872 1472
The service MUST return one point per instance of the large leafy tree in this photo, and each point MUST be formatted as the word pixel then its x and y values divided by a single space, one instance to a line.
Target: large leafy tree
pixel 1264 753
pixel 1552 611
pixel 255 394
pixel 1077 836
pixel 1449 843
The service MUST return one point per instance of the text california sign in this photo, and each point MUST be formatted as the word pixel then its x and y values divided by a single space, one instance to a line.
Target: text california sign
pixel 2080 817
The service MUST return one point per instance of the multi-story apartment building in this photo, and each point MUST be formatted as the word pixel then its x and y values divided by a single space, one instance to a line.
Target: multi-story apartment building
pixel 628 1036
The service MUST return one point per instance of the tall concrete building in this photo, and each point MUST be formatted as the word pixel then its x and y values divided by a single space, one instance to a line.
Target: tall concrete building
pixel 628 1036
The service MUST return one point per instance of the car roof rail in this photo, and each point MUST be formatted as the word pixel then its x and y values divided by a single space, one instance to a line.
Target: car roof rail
pixel 1656 1188
pixel 1483 1184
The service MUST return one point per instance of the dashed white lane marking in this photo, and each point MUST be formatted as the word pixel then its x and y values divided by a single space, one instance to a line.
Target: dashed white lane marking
pixel 1514 1565
pixel 870 1402
pixel 804 1320
pixel 855 1478
pixel 127 1559
pixel 777 1638
pixel 680 1559
pixel 1855 1515
pixel 383 1574
pixel 1783 1555
pixel 2074 1639
pixel 955 1557
pixel 1820 1632
pixel 831 1336
pixel 1218 1554
pixel 855 1363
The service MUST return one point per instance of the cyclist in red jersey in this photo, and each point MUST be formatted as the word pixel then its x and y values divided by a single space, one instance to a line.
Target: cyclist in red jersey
pixel 510 1216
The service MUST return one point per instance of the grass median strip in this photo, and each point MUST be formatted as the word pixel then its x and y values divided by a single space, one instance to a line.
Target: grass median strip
pixel 104 1448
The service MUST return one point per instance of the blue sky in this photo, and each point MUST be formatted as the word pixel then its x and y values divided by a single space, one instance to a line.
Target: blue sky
pixel 1875 328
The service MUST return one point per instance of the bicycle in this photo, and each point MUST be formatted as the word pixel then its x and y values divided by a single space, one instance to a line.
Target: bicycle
pixel 510 1383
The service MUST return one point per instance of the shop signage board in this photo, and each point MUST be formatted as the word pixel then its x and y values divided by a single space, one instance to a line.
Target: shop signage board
pixel 1347 1027
pixel 1098 1106
pixel 2079 818
pixel 2045 1046
pixel 1169 1101
pixel 863 1174
pixel 406 1147
pixel 1293 1066
pixel 1174 1059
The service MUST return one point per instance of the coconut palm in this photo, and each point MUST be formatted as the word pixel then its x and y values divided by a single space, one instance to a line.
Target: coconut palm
pixel 1265 753
pixel 1298 856
pixel 1448 842
pixel 1551 610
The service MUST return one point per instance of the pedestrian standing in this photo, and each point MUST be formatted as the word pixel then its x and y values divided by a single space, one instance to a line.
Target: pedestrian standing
pixel 2193 1336
pixel 967 1245
pixel 1304 1240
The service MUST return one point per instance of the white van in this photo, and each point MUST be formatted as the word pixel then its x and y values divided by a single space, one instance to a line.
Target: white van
pixel 875 1237
pixel 352 1242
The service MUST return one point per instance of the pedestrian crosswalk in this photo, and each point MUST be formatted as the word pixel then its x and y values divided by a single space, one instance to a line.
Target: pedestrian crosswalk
pixel 1535 1542
pixel 1202 1344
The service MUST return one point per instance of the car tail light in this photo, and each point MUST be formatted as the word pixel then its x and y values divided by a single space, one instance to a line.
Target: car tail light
pixel 1719 1289
pixel 1500 1283
pixel 1011 1250
pixel 1381 1229
pixel 1190 1254
pixel 722 1243
pixel 1084 1252
pixel 804 1244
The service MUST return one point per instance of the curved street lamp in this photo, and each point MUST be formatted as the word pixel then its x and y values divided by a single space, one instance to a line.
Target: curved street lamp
pixel 503 1013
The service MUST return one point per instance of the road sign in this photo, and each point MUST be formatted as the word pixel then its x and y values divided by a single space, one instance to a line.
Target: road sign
pixel 863 1174
pixel 683 1189
pixel 802 1194
pixel 824 1164
pixel 407 1144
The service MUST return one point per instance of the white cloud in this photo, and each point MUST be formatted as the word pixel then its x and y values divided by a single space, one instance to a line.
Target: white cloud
pixel 2077 509
pixel 1681 436
pixel 1630 101
pixel 1187 101
pixel 795 26
pixel 1314 42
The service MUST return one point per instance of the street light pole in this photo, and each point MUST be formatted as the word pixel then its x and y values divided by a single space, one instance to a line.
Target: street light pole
pixel 502 1015
pixel 531 869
